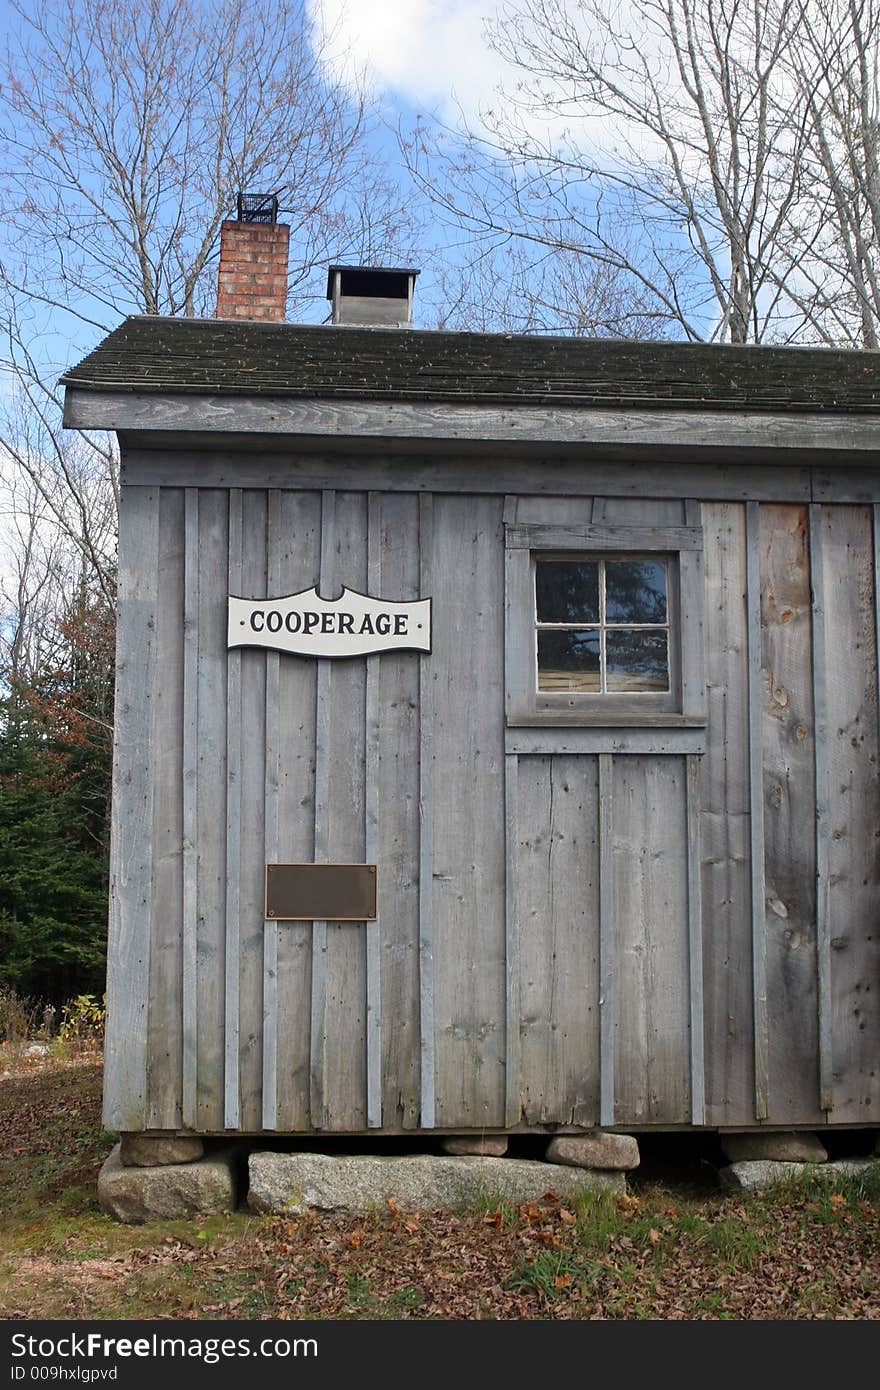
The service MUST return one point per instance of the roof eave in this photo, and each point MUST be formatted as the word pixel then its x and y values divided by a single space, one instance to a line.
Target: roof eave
pixel 543 425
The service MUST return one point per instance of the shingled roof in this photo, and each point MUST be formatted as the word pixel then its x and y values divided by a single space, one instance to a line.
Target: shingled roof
pixel 213 356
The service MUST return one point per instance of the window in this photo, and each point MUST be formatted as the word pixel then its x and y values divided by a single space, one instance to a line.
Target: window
pixel 604 625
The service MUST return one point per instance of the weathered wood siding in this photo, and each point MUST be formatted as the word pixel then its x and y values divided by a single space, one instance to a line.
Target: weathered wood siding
pixel 567 934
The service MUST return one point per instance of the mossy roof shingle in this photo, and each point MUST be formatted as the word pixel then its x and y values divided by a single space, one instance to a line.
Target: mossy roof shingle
pixel 213 356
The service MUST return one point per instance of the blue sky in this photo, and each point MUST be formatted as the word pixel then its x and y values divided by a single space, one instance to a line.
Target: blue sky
pixel 421 58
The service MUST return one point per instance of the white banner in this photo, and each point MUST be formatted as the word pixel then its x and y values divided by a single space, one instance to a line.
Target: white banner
pixel 352 625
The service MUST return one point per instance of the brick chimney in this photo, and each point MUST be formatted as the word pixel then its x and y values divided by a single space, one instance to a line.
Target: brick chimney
pixel 252 281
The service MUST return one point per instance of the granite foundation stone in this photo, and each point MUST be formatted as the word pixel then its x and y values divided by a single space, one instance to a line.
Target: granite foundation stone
pixel 793 1146
pixel 617 1152
pixel 757 1174
pixel 153 1150
pixel 168 1193
pixel 293 1182
pixel 482 1146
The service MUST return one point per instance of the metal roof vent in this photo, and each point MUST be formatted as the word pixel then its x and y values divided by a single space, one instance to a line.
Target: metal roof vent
pixel 370 296
pixel 257 207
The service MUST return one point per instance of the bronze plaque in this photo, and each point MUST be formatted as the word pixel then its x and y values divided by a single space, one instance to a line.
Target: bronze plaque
pixel 321 892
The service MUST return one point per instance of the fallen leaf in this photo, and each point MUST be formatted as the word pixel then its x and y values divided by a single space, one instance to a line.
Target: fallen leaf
pixel 654 1235
pixel 549 1196
pixel 567 1217
pixel 838 1200
pixel 494 1218
pixel 562 1281
pixel 531 1213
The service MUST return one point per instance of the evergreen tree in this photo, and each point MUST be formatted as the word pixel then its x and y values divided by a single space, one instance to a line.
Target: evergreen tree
pixel 54 798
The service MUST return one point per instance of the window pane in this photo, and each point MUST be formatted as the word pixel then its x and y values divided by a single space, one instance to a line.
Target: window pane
pixel 567 591
pixel 637 661
pixel 635 591
pixel 568 661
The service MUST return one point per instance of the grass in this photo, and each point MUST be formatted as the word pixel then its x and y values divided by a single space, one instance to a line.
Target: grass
pixel 806 1250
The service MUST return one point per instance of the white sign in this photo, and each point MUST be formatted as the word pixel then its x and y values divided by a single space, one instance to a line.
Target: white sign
pixel 352 625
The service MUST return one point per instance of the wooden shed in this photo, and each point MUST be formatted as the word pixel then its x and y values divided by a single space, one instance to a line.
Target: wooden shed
pixel 623 815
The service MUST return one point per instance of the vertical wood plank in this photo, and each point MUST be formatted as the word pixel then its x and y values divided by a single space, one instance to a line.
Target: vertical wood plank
pixel 519 657
pixel 232 1111
pixel 761 1036
pixel 252 830
pixel 550 511
pixel 789 789
pixel 165 1014
pixel 299 545
pixel 131 859
pixel 695 941
pixel 371 827
pixel 318 1034
pixel 513 1039
pixel 345 1074
pixel 273 779
pixel 725 818
pixel 652 1047
pixel 399 826
pixel 346 986
pixel 468 904
pixel 512 1034
pixel 692 588
pixel 607 916
pixel 875 577
pixel 426 830
pixel 213 565
pixel 190 805
pixel 557 876
pixel 853 758
pixel 638 511
pixel 823 791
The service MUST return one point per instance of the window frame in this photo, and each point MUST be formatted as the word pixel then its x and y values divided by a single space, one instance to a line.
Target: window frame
pixel 683 705
pixel 635 702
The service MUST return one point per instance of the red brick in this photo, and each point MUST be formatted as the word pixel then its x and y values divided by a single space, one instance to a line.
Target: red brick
pixel 252 279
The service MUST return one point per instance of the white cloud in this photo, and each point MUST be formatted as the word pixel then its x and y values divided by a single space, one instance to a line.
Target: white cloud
pixel 430 53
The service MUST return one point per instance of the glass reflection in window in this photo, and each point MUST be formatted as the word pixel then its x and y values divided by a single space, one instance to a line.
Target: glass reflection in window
pixel 602 625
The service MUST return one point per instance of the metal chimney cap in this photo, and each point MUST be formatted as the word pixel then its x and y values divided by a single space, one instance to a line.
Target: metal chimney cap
pixel 369 281
pixel 257 207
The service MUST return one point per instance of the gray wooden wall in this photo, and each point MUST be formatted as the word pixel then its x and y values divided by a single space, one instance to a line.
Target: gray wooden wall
pixel 563 938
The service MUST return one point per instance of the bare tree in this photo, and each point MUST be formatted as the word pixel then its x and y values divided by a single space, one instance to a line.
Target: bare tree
pixel 127 126
pixel 65 484
pixel 663 140
pixel 30 575
pixel 833 266
pixel 508 288
pixel 126 129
